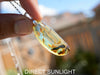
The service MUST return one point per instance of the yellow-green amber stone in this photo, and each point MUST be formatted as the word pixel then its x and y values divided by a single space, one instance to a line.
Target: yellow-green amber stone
pixel 50 39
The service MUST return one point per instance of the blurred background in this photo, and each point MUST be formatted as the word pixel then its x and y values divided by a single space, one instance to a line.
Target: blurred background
pixel 76 21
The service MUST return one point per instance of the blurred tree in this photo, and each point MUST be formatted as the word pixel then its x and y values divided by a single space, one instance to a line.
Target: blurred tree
pixel 84 62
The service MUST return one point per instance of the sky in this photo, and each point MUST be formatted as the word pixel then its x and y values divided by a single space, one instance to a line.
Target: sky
pixel 54 7
pixel 73 6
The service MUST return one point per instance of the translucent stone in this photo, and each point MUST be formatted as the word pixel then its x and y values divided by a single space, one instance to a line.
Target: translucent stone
pixel 50 39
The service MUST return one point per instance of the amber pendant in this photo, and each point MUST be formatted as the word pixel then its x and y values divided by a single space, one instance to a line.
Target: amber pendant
pixel 50 39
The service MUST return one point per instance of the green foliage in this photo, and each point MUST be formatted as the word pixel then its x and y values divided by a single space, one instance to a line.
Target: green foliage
pixel 13 72
pixel 26 73
pixel 83 62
